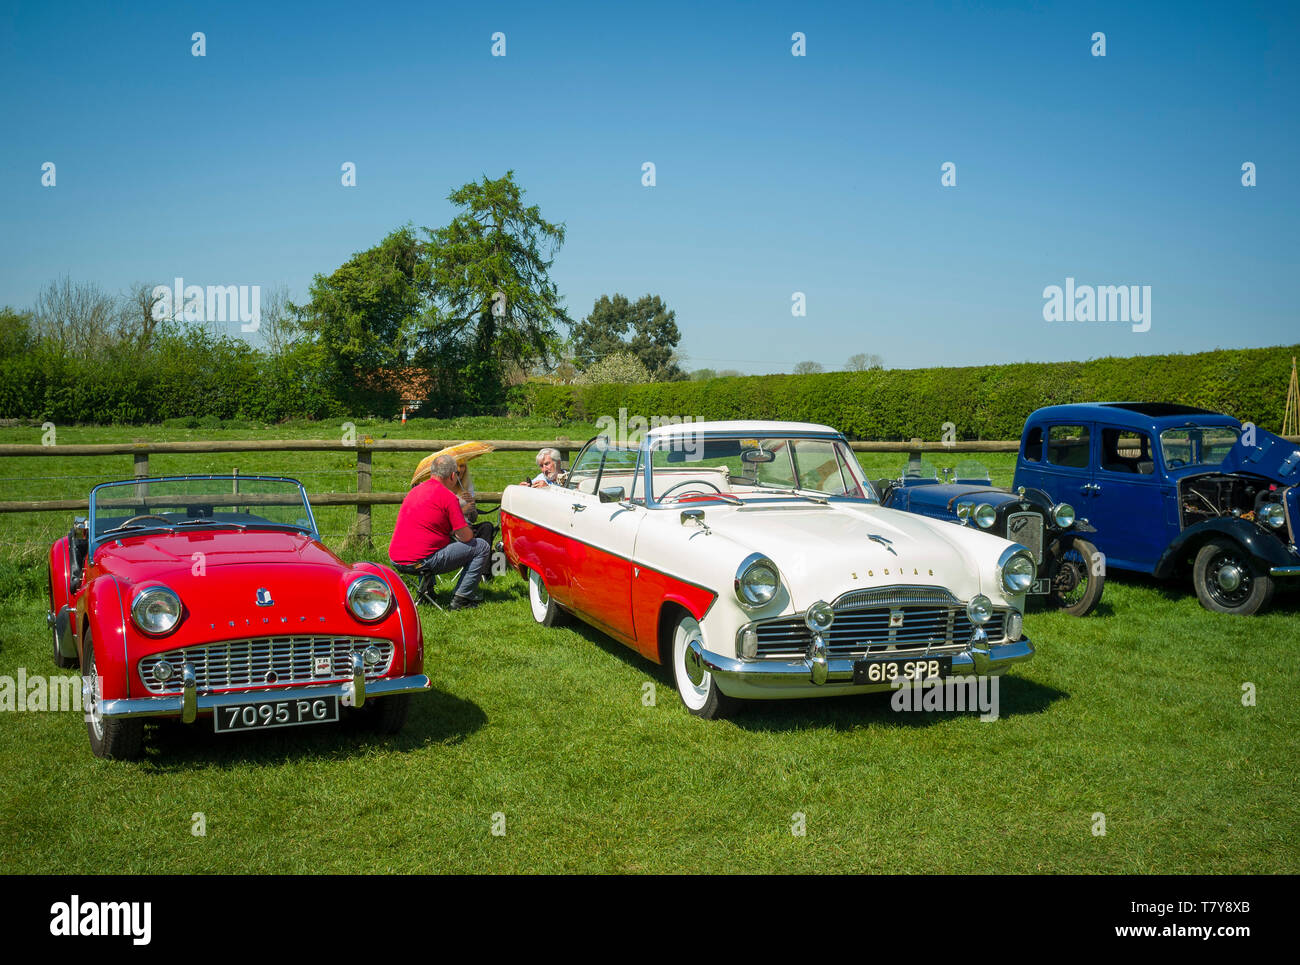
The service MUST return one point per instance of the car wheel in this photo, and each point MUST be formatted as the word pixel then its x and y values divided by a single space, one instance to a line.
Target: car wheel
pixel 701 695
pixel 1077 577
pixel 545 610
pixel 1228 581
pixel 384 715
pixel 117 739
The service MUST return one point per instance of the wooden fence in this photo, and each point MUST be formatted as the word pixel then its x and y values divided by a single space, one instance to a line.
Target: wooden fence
pixel 365 448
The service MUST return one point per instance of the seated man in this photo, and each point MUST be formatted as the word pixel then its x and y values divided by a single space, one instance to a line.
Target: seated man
pixel 431 534
pixel 549 462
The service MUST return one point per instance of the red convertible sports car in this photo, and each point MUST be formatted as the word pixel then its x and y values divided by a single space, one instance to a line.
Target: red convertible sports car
pixel 211 597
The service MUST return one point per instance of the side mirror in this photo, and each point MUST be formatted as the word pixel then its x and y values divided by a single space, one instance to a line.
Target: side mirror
pixel 611 494
pixel 692 516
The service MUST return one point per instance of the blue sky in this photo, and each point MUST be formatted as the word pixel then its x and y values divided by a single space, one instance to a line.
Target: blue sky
pixel 775 174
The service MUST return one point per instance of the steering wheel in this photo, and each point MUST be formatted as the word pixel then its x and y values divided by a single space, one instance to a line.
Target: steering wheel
pixel 690 482
pixel 136 519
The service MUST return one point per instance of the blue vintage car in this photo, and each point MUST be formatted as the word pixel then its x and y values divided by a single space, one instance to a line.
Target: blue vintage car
pixel 1172 489
pixel 1071 574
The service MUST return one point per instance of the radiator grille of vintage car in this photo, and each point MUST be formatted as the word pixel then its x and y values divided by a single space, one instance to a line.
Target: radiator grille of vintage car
pixel 265 662
pixel 1027 530
pixel 924 620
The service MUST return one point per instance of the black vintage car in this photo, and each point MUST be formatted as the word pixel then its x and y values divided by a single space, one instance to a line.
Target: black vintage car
pixel 1071 571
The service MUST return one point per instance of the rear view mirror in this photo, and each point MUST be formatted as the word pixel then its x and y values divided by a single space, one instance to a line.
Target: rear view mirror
pixel 611 494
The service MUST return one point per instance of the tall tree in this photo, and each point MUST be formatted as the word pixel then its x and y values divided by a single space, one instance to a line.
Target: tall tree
pixel 807 368
pixel 361 316
pixel 496 303
pixel 646 328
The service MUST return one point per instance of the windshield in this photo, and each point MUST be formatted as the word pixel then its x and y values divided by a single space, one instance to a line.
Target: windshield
pixel 1197 445
pixel 744 468
pixel 208 502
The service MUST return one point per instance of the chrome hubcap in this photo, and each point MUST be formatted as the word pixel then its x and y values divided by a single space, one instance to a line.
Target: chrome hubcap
pixel 1229 576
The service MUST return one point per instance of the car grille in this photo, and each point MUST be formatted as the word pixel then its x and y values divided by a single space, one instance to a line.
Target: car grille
pixel 1027 530
pixel 933 622
pixel 265 662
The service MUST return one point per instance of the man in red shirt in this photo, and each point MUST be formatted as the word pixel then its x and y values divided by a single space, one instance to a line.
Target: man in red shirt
pixel 432 535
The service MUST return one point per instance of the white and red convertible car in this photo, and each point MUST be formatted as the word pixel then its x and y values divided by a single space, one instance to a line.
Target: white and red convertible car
pixel 755 559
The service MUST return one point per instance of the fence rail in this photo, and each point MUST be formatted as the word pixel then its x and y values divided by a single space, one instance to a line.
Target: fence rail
pixel 365 446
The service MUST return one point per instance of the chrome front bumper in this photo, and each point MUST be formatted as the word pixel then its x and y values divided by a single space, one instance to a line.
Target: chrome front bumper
pixel 190 704
pixel 812 676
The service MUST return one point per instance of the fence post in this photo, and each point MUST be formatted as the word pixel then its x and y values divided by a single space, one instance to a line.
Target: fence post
pixel 363 530
pixel 141 460
pixel 914 457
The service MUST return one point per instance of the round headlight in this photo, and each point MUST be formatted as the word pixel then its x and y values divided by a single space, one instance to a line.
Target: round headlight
pixel 985 515
pixel 963 510
pixel 369 598
pixel 1063 513
pixel 1272 514
pixel 757 581
pixel 1018 572
pixel 979 609
pixel 162 671
pixel 156 610
pixel 819 617
pixel 1015 624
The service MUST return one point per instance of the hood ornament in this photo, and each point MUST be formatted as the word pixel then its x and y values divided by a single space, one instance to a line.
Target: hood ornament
pixel 882 541
pixel 264 597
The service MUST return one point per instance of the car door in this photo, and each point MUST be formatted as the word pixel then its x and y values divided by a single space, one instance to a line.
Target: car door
pixel 601 539
pixel 1127 502
pixel 1057 458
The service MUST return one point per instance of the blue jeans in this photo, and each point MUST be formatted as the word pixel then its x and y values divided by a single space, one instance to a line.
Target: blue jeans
pixel 474 556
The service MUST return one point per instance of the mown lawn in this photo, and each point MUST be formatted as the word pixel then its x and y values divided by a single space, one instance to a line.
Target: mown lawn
pixel 1134 713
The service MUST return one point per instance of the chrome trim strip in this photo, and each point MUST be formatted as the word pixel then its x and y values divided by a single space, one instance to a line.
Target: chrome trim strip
pixel 170 706
pixel 901 595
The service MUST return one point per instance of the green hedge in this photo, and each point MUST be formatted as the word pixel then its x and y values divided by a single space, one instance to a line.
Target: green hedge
pixel 983 402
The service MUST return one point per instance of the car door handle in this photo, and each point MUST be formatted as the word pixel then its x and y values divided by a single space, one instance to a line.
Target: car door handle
pixel 578 507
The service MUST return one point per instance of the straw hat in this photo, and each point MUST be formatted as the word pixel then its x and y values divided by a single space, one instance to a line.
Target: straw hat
pixel 461 452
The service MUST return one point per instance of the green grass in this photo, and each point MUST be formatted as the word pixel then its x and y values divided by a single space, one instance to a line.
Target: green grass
pixel 1134 712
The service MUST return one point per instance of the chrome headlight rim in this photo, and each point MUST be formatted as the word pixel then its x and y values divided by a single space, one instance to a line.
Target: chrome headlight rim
pixel 963 510
pixel 979 610
pixel 363 584
pixel 984 515
pixel 155 599
pixel 1018 581
pixel 748 593
pixel 1063 515
pixel 1272 515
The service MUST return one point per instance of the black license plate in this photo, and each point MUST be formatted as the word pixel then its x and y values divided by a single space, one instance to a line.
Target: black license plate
pixel 1041 586
pixel 293 712
pixel 911 669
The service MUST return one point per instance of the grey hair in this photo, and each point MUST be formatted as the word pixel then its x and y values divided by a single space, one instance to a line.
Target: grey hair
pixel 553 453
pixel 443 467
